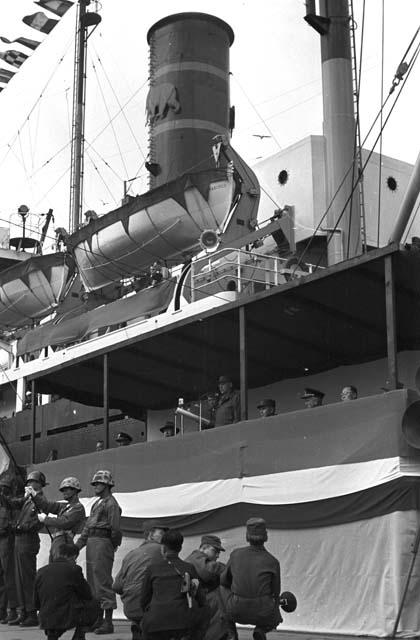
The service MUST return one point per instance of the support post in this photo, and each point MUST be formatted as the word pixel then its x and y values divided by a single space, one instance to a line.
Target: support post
pixel 391 331
pixel 243 367
pixel 106 399
pixel 33 415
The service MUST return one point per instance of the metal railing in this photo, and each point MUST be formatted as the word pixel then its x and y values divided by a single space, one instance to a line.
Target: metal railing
pixel 241 271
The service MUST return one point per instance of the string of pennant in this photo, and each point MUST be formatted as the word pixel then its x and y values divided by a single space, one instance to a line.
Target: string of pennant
pixel 39 21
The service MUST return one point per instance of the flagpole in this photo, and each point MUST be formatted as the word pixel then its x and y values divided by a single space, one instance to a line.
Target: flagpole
pixel 84 20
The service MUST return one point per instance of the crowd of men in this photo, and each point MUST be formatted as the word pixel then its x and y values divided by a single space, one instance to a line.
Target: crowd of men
pixel 164 597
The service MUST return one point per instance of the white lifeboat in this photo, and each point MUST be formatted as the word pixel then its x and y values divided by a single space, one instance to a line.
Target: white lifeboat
pixel 32 289
pixel 164 223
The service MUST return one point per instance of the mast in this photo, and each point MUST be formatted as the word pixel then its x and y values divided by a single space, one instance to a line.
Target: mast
pixel 84 20
pixel 343 221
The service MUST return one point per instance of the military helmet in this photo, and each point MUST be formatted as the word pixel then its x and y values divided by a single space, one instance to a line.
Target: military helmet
pixel 38 476
pixel 103 476
pixel 70 483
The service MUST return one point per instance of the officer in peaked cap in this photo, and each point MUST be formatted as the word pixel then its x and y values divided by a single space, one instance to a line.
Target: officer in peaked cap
pixel 251 583
pixel 312 397
pixel 267 407
pixel 70 514
pixel 123 439
pixel 130 578
pixel 8 596
pixel 27 545
pixel 228 408
pixel 102 535
pixel 209 569
pixel 168 429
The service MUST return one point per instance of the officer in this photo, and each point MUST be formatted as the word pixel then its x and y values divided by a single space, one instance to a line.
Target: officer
pixel 168 430
pixel 228 408
pixel 8 597
pixel 129 580
pixel 102 535
pixel 70 514
pixel 267 407
pixel 348 393
pixel 123 439
pixel 172 597
pixel 26 548
pixel 252 583
pixel 313 397
pixel 209 409
pixel 209 568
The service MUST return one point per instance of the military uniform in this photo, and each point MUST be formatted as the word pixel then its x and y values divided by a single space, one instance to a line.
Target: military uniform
pixel 102 535
pixel 228 409
pixel 209 572
pixel 8 596
pixel 26 550
pixel 167 614
pixel 69 521
pixel 252 584
pixel 129 580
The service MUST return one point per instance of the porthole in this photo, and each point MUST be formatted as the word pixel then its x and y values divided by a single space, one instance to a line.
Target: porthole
pixel 283 177
pixel 391 183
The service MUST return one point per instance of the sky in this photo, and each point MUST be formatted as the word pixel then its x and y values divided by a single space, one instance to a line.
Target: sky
pixel 275 87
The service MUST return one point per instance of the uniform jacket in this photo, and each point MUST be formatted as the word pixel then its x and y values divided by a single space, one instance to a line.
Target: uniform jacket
pixel 228 409
pixel 129 580
pixel 70 515
pixel 60 590
pixel 27 516
pixel 165 606
pixel 208 570
pixel 6 517
pixel 253 577
pixel 105 514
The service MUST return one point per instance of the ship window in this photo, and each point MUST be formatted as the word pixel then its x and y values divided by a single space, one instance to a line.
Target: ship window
pixel 391 183
pixel 283 177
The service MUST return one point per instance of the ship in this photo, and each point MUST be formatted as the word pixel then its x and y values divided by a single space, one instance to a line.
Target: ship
pixel 198 277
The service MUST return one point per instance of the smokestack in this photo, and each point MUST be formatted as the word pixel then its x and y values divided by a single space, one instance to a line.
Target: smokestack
pixel 188 100
pixel 339 127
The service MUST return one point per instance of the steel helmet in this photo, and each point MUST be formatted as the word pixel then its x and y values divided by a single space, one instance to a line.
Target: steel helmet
pixel 103 476
pixel 70 483
pixel 38 476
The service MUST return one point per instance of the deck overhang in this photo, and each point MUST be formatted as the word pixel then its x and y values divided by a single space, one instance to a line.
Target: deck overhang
pixel 330 318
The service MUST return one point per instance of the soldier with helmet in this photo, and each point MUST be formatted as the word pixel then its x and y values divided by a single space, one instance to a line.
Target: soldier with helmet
pixel 70 514
pixel 102 535
pixel 8 597
pixel 27 545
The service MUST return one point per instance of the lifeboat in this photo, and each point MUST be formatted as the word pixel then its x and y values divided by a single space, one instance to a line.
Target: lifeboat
pixel 33 289
pixel 164 223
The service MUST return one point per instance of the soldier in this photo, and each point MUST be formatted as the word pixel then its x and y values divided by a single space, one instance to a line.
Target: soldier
pixel 63 596
pixel 8 597
pixel 252 582
pixel 228 408
pixel 172 598
pixel 348 393
pixel 70 514
pixel 209 569
pixel 26 548
pixel 129 581
pixel 313 398
pixel 102 535
pixel 123 439
pixel 168 430
pixel 266 407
